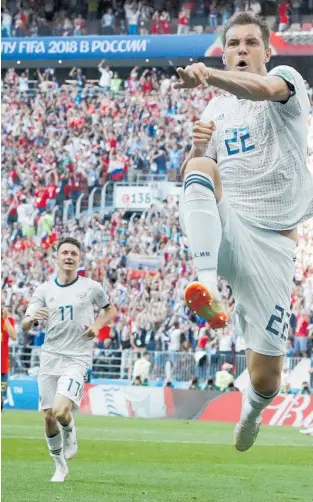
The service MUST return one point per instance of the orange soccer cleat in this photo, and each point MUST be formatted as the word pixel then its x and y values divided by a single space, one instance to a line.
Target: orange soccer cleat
pixel 201 301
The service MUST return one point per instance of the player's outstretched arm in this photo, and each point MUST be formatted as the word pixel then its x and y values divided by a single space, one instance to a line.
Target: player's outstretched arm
pixel 244 85
pixel 106 316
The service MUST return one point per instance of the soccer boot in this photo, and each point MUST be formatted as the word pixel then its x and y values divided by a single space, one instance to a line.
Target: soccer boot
pixel 246 431
pixel 307 432
pixel 199 300
pixel 61 470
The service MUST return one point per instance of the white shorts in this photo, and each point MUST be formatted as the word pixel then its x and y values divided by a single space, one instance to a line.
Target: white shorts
pixel 69 383
pixel 259 266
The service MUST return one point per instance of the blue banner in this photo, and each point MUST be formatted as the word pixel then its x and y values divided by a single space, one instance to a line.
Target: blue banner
pixel 22 394
pixel 111 47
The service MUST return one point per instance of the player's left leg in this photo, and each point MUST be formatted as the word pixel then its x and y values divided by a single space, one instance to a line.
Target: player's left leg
pixel 55 444
pixel 69 395
pixel 63 412
pixel 262 315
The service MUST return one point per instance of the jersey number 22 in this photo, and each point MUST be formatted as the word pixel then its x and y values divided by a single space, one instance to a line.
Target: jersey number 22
pixel 238 140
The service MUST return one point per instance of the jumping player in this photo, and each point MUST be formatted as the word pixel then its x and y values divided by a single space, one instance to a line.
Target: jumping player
pixel 246 188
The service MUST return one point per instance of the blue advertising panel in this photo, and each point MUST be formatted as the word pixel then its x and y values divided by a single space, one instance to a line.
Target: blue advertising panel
pixel 110 47
pixel 22 394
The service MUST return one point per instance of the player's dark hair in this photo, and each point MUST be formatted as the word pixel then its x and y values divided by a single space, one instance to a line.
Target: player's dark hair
pixel 68 240
pixel 243 18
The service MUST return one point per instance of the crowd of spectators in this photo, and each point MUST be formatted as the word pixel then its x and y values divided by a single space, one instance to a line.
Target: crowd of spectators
pixel 54 18
pixel 59 142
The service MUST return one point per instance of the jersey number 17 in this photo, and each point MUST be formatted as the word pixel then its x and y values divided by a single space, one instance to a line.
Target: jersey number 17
pixel 67 309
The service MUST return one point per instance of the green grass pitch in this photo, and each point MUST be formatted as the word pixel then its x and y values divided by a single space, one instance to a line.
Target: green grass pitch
pixel 134 460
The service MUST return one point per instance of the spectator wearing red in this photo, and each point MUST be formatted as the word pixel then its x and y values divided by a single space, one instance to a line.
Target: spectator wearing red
pixel 104 335
pixel 155 29
pixel 283 15
pixel 183 22
pixel 165 20
pixel 301 339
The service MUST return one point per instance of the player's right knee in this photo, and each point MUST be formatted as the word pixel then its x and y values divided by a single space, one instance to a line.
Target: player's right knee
pixel 209 167
pixel 61 413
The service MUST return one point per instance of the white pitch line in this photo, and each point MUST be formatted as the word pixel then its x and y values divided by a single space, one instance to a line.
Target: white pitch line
pixel 127 440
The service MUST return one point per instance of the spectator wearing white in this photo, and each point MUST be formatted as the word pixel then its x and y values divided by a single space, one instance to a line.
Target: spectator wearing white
pixel 225 340
pixel 174 338
pixel 145 19
pixel 132 12
pixel 142 367
pixel 6 29
pixel 108 22
pixel 224 377
pixel 106 75
pixel 68 26
pixel 127 343
pixel 25 217
pixel 23 85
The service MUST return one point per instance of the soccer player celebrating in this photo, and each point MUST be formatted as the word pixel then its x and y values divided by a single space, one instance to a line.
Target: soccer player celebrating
pixel 7 331
pixel 246 188
pixel 67 304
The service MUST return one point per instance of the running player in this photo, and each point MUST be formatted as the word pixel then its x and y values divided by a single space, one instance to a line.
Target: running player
pixel 7 331
pixel 67 304
pixel 246 188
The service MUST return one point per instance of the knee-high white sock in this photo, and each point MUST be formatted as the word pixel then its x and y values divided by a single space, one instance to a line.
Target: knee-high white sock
pixel 55 445
pixel 255 403
pixel 203 227
pixel 68 429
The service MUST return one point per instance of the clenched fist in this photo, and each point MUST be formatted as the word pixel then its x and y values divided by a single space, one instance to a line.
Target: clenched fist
pixel 193 75
pixel 202 133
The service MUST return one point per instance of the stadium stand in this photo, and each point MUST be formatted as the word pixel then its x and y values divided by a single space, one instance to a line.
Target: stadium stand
pixel 59 142
pixel 39 18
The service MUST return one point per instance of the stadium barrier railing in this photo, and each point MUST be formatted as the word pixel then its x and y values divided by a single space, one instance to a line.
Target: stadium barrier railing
pixel 165 366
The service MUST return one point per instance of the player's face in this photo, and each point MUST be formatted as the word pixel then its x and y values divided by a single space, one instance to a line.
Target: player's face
pixel 68 257
pixel 245 51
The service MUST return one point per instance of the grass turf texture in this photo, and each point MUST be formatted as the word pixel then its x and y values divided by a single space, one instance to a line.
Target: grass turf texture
pixel 134 460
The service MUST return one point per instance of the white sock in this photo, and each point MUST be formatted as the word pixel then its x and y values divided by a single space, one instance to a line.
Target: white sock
pixel 67 429
pixel 55 445
pixel 255 403
pixel 203 227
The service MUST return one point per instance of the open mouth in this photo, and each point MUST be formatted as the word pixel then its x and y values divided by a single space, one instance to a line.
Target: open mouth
pixel 68 263
pixel 242 65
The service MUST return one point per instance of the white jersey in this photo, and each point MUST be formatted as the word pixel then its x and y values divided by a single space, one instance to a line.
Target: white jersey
pixel 261 151
pixel 71 312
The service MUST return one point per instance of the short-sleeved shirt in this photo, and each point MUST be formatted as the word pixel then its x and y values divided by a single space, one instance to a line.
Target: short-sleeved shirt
pixel 261 151
pixel 72 310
